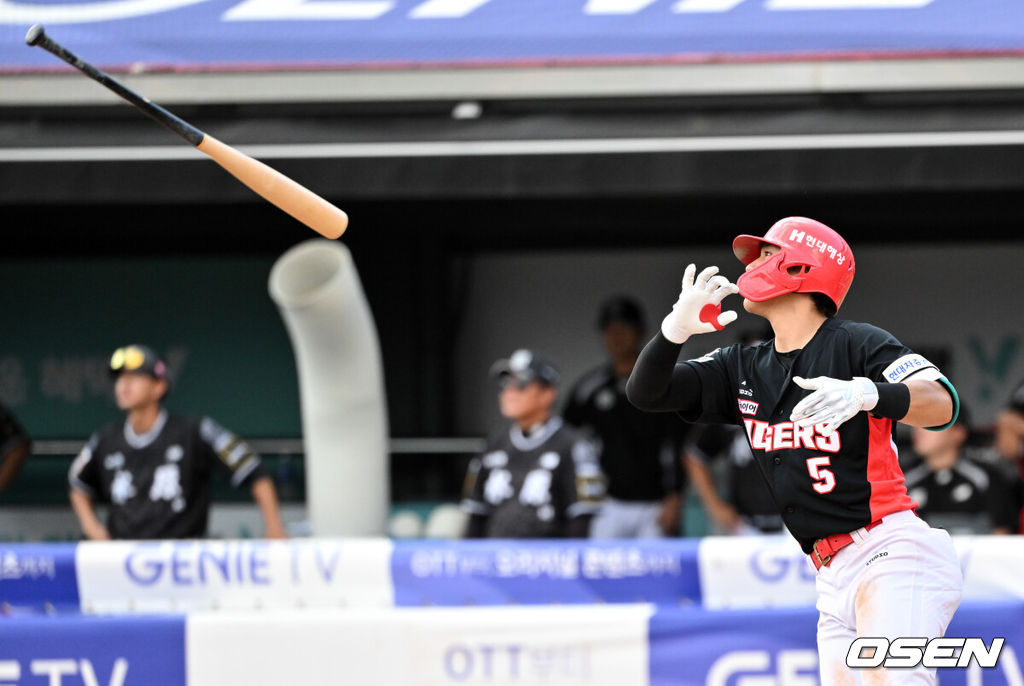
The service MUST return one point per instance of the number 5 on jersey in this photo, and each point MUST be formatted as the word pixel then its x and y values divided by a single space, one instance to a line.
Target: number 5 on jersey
pixel 824 479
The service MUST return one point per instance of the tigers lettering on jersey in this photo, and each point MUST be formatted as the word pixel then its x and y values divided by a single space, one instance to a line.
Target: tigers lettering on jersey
pixel 787 435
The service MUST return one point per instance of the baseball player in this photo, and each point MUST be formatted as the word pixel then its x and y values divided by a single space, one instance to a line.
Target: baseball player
pixel 957 488
pixel 640 452
pixel 538 478
pixel 819 404
pixel 154 468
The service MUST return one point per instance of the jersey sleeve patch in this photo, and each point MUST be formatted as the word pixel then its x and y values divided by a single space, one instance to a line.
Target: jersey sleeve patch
pixel 912 365
pixel 244 469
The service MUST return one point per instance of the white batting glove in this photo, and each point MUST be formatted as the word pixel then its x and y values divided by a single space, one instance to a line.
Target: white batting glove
pixel 833 401
pixel 699 308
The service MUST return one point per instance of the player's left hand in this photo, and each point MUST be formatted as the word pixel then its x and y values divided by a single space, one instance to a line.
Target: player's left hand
pixel 833 401
pixel 699 307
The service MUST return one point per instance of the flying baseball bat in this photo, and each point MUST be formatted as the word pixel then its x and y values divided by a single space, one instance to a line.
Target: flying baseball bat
pixel 298 201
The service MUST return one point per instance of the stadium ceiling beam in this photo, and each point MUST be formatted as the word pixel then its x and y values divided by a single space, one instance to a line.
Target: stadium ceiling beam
pixel 606 81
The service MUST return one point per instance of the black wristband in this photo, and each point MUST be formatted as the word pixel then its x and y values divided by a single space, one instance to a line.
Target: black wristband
pixel 893 401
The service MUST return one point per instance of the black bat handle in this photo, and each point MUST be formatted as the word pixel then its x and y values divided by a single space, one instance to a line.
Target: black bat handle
pixel 37 36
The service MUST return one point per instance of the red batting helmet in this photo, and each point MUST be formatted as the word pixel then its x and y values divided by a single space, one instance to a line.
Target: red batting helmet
pixel 812 258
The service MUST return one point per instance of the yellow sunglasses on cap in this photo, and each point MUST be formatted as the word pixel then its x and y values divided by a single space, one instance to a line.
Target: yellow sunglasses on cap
pixel 128 359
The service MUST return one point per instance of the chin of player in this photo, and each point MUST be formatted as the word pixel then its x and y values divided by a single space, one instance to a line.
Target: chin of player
pixel 752 306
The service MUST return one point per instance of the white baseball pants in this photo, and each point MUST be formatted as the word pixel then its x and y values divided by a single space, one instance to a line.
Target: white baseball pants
pixel 901 579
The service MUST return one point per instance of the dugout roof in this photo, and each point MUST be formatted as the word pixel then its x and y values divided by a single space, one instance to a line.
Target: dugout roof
pixel 510 100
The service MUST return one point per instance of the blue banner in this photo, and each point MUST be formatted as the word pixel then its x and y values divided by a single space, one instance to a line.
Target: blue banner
pixel 729 573
pixel 112 651
pixel 687 646
pixel 38 577
pixel 158 35
pixel 697 647
pixel 694 646
pixel 522 572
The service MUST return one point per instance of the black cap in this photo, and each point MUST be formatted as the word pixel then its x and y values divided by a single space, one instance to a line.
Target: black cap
pixel 528 366
pixel 137 358
pixel 620 308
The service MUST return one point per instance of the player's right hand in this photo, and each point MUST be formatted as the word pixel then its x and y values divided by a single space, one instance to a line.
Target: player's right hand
pixel 699 308
pixel 833 402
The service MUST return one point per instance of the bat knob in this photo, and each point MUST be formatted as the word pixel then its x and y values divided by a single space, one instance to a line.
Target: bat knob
pixel 35 34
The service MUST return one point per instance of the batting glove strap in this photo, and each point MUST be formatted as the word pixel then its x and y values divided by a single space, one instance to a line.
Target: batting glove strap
pixel 699 308
pixel 833 401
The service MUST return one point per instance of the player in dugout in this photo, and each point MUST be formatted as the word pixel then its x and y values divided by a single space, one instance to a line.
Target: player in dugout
pixel 154 468
pixel 640 452
pixel 957 488
pixel 820 403
pixel 537 478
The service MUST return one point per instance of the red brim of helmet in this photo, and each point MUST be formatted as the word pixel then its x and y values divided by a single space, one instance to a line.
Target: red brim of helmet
pixel 747 248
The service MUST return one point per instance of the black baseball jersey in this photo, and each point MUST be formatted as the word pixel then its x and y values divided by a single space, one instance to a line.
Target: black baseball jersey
pixel 11 433
pixel 746 488
pixel 822 486
pixel 158 483
pixel 640 452
pixel 971 497
pixel 529 486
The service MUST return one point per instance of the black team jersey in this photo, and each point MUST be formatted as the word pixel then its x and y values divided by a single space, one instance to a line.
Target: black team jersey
pixel 640 452
pixel 970 497
pixel 821 486
pixel 530 486
pixel 158 483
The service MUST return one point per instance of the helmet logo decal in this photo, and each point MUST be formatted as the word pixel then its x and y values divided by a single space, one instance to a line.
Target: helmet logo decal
pixel 798 236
